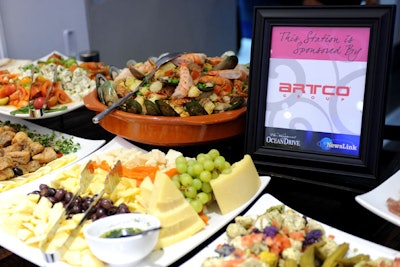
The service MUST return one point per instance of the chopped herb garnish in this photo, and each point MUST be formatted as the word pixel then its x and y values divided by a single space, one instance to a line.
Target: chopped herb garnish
pixel 58 142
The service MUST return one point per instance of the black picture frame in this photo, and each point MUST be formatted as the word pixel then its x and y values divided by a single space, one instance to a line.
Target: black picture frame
pixel 363 170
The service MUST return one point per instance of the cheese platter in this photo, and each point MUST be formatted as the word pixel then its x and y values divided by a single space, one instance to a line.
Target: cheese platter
pixel 163 256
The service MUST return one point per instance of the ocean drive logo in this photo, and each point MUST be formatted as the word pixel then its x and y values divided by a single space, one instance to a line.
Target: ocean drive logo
pixel 328 144
pixel 282 139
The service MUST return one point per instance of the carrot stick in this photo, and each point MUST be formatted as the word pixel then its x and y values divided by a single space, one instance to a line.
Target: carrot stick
pixel 103 165
pixel 140 172
pixel 171 172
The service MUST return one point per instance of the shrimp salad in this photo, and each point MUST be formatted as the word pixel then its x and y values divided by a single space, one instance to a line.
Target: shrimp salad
pixel 282 237
pixel 190 85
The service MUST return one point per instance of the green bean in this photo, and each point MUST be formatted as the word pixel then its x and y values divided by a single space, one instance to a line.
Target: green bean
pixel 338 254
pixel 351 261
pixel 308 257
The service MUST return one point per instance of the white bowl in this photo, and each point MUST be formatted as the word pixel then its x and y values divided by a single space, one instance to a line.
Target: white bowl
pixel 122 250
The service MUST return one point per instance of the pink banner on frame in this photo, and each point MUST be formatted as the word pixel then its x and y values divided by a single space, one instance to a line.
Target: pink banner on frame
pixel 320 43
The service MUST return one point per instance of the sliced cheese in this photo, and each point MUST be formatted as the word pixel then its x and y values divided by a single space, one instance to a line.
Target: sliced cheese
pixel 146 190
pixel 178 219
pixel 236 188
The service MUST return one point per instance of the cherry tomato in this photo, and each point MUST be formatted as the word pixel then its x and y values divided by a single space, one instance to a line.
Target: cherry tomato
pixel 38 102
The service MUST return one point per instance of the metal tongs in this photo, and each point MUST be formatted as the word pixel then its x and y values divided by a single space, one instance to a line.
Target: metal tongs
pixel 37 113
pixel 110 183
pixel 161 61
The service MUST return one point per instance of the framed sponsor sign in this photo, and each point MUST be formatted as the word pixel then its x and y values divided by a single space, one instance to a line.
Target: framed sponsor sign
pixel 318 88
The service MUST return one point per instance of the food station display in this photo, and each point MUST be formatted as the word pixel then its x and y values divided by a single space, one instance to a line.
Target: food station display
pixel 174 150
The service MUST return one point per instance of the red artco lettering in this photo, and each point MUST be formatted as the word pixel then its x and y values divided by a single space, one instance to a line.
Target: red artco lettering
pixel 314 89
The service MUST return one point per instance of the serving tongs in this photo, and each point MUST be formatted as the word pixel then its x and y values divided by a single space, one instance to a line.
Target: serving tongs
pixel 111 181
pixel 161 61
pixel 37 113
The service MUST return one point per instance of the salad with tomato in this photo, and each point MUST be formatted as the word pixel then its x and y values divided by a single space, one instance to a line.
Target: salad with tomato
pixel 73 81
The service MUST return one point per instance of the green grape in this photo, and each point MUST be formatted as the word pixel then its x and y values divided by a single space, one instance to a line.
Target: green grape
pixel 197 205
pixel 191 162
pixel 190 192
pixel 176 177
pixel 227 165
pixel 213 153
pixel 227 171
pixel 208 165
pixel 181 167
pixel 185 179
pixel 210 196
pixel 201 157
pixel 206 188
pixel 219 163
pixel 205 176
pixel 197 183
pixel 177 184
pixel 190 170
pixel 180 159
pixel 203 197
pixel 197 169
pixel 215 174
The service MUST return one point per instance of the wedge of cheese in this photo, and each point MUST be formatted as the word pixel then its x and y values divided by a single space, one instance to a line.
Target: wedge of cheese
pixel 178 219
pixel 236 188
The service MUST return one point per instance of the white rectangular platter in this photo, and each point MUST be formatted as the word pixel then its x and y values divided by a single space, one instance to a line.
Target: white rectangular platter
pixel 86 146
pixel 266 201
pixel 375 200
pixel 162 257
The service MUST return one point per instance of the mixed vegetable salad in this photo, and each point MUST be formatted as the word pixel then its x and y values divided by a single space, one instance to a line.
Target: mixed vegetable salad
pixel 29 84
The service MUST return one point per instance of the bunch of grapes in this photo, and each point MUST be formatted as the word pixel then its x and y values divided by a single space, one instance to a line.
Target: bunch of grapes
pixel 194 176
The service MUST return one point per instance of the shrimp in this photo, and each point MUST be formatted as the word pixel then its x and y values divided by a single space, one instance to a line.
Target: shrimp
pixel 185 82
pixel 145 67
pixel 238 86
pixel 222 85
pixel 196 58
pixel 231 74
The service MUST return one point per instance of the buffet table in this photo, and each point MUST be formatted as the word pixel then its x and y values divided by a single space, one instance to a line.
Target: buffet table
pixel 333 206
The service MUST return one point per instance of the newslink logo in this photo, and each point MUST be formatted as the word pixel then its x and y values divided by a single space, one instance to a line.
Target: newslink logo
pixel 328 144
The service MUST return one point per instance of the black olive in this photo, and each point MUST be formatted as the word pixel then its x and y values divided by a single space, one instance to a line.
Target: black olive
pixel 44 191
pixel 123 208
pixel 60 194
pixel 41 186
pixel 105 203
pixel 86 203
pixel 68 196
pixel 51 192
pixel 76 209
pixel 112 210
pixel 17 171
pixel 100 212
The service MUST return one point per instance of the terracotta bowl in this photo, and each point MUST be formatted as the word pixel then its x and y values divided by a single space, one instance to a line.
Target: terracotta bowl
pixel 169 131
